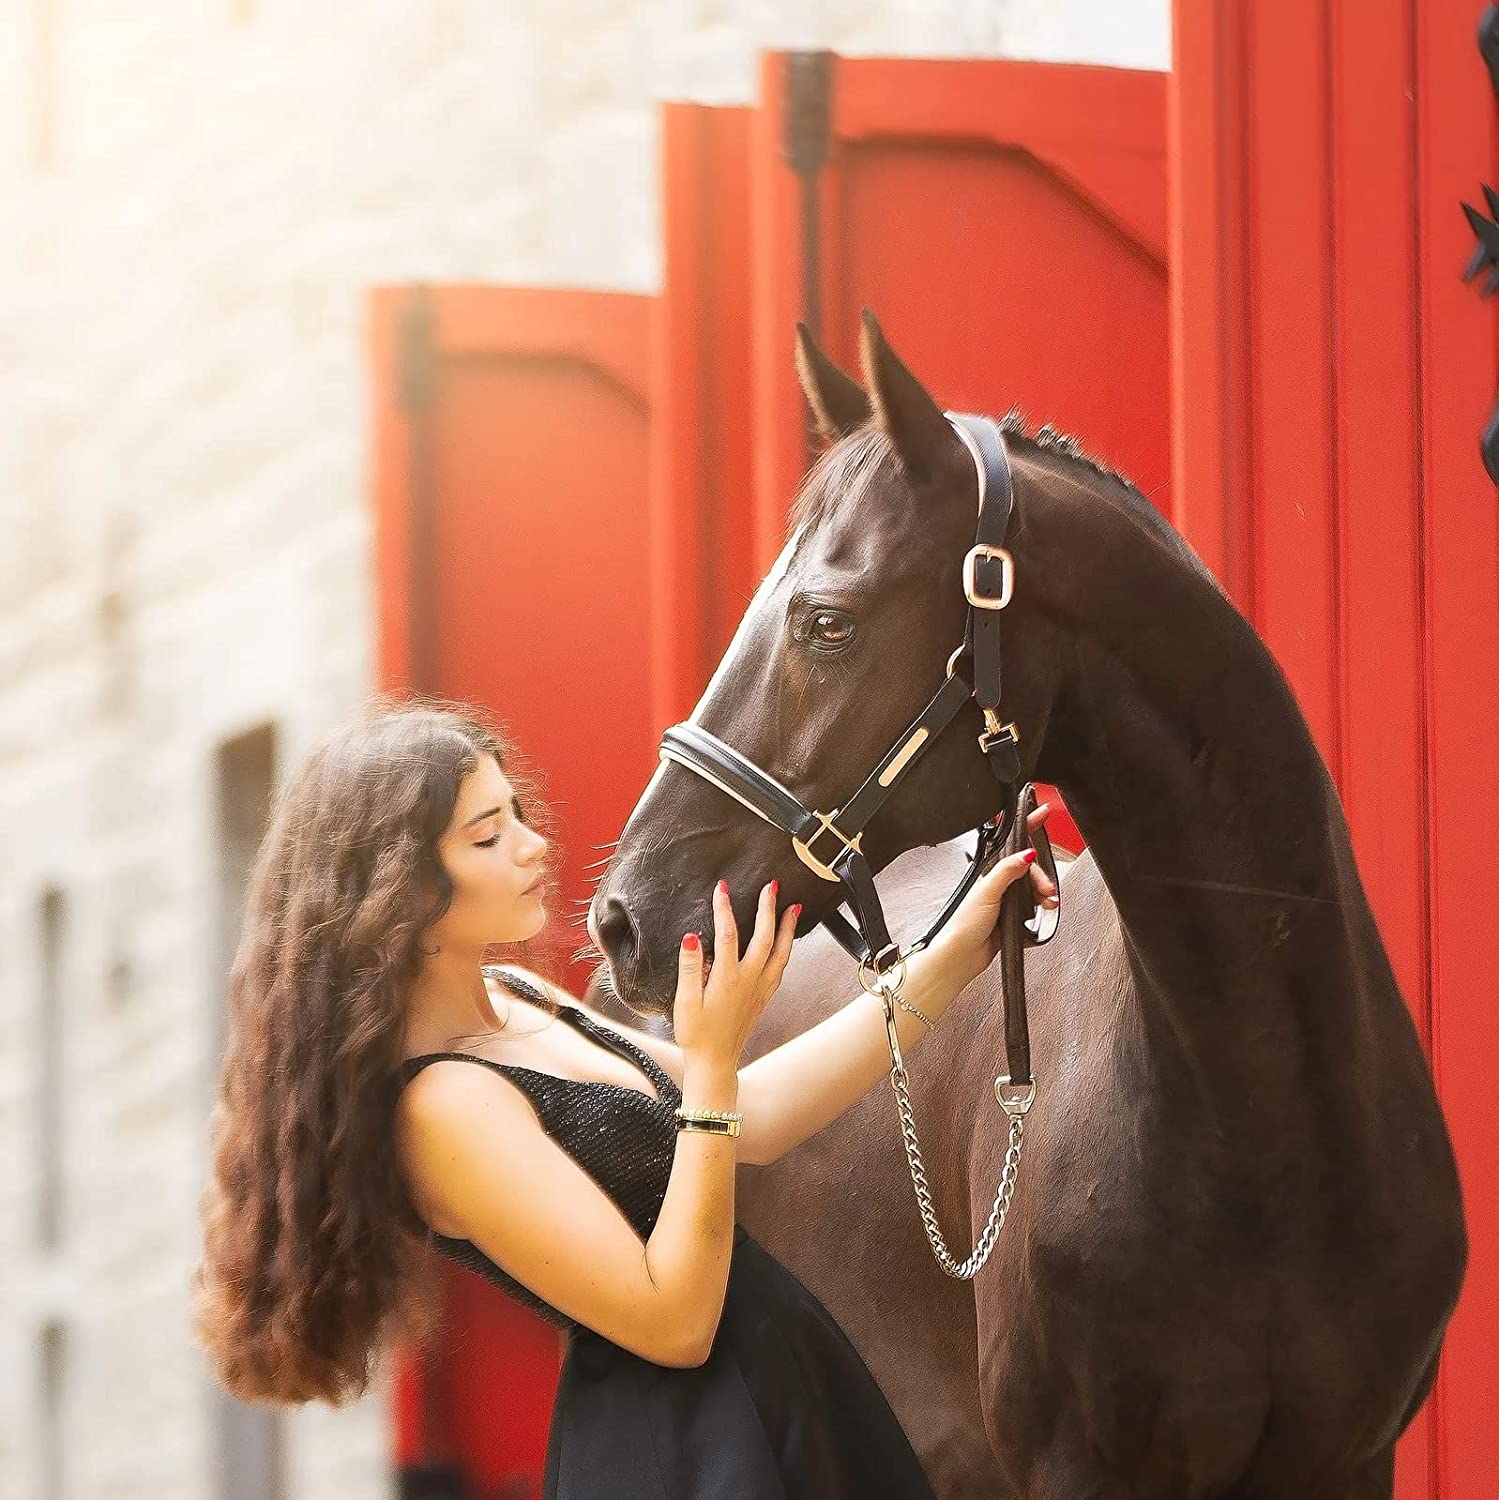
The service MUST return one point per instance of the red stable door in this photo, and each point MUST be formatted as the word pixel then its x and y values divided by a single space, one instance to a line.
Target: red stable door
pixel 511 455
pixel 1334 375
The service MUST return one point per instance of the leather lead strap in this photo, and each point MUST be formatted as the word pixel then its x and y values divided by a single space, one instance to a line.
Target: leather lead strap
pixel 853 871
pixel 1012 951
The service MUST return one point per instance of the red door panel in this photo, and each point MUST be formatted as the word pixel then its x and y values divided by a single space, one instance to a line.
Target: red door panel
pixel 512 548
pixel 1332 377
pixel 1005 221
pixel 701 418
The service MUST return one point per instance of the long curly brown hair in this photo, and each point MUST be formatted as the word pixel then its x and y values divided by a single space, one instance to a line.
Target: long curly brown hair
pixel 314 1259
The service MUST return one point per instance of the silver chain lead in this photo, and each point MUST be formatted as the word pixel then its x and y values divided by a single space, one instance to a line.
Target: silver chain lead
pixel 967 1269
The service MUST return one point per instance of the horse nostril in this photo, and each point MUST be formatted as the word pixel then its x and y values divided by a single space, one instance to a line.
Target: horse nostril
pixel 618 935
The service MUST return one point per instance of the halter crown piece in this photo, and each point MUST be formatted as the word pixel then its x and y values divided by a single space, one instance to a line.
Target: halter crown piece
pixel 830 844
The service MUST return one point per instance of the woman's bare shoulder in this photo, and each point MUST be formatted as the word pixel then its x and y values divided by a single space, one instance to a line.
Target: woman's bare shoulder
pixel 440 1105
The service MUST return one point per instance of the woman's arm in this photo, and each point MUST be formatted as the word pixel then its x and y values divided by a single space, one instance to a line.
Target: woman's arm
pixel 790 1093
pixel 795 1089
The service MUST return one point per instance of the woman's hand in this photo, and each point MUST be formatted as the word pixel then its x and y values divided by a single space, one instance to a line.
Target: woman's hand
pixel 712 1023
pixel 969 942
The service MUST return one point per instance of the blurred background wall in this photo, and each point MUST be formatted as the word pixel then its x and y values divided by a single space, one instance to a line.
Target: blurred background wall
pixel 194 199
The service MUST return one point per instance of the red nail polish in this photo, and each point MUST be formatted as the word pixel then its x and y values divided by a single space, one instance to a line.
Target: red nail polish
pixel 775 889
pixel 796 911
pixel 691 942
pixel 723 887
pixel 1028 856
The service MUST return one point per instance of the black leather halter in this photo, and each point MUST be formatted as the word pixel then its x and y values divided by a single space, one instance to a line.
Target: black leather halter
pixel 830 844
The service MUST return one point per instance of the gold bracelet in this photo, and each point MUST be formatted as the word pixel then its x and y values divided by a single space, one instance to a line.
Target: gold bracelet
pixel 709 1121
pixel 708 1127
pixel 904 1004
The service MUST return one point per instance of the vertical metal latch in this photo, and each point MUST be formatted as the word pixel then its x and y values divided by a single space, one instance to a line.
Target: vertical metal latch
pixel 807 115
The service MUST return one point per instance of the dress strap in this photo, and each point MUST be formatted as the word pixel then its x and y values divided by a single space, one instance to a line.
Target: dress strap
pixel 666 1085
pixel 413 1065
pixel 520 984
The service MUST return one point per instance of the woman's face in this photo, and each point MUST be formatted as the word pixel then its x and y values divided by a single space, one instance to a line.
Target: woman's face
pixel 495 863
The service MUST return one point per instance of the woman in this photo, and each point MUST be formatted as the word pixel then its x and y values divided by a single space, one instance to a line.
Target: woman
pixel 384 1091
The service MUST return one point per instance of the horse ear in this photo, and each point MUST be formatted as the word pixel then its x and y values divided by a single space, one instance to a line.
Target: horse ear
pixel 838 404
pixel 923 438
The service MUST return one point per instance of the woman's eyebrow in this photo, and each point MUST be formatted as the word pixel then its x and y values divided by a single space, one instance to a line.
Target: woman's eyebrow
pixel 480 817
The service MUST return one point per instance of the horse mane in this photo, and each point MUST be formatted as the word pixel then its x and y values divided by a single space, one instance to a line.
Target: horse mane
pixel 1048 440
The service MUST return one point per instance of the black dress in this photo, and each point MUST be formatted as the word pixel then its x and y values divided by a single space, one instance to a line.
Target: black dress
pixel 783 1407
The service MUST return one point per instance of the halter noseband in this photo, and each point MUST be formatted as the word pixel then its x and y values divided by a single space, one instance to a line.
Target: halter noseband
pixel 830 844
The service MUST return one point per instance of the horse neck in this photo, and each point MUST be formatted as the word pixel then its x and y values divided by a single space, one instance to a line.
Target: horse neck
pixel 1210 813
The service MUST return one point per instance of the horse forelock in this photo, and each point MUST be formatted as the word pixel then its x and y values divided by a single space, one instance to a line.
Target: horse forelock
pixel 840 476
pixel 839 479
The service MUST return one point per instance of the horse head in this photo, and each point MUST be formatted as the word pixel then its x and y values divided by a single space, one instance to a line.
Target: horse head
pixel 845 640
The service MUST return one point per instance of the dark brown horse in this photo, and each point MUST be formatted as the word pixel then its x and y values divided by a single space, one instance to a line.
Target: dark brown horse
pixel 1237 1236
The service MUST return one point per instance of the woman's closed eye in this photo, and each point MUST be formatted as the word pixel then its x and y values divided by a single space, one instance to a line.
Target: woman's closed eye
pixel 520 817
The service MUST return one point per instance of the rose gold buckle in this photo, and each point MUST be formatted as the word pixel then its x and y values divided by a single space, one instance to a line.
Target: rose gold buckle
pixel 970 576
pixel 804 851
pixel 994 729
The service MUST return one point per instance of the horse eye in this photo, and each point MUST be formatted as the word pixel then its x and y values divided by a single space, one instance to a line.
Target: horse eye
pixel 829 628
